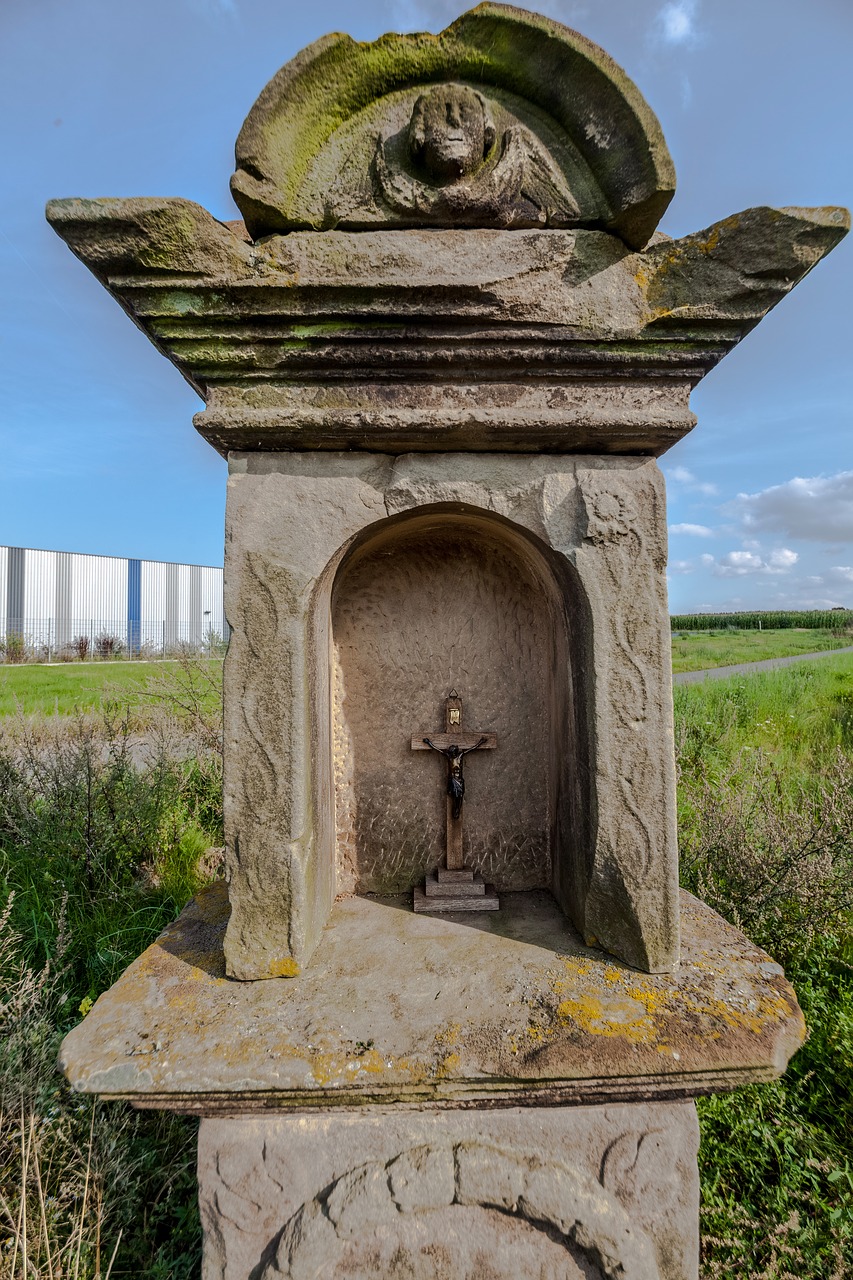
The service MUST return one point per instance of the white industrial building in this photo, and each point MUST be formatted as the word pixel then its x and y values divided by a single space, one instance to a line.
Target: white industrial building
pixel 49 599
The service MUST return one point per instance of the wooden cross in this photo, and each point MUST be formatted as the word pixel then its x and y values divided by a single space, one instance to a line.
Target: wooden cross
pixel 455 886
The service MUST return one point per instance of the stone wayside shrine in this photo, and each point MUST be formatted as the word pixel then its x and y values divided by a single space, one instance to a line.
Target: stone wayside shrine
pixel 442 353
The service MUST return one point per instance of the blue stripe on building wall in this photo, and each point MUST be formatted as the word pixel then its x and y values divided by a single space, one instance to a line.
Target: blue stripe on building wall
pixel 134 604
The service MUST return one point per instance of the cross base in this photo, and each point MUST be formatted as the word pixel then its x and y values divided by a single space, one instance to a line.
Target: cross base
pixel 457 889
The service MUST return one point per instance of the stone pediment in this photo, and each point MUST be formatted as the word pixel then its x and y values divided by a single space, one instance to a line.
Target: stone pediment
pixel 505 120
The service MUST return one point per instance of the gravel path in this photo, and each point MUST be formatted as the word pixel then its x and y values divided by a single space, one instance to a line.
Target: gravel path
pixel 749 668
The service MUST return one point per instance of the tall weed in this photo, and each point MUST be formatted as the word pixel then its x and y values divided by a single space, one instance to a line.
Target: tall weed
pixel 86 1191
pixel 104 835
pixel 116 819
pixel 766 837
pixel 774 857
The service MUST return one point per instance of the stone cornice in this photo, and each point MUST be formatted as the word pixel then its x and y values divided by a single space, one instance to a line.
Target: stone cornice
pixel 424 340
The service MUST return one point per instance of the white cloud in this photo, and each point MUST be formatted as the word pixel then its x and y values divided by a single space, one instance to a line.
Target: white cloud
pixel 694 530
pixel 676 22
pixel 783 558
pixel 819 508
pixel 798 595
pixel 737 564
pixel 682 566
pixel 681 476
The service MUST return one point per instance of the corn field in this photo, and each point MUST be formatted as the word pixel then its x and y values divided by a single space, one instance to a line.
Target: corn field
pixel 813 619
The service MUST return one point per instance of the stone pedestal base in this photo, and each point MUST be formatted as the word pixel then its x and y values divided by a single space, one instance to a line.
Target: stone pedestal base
pixel 394 1111
pixel 455 891
pixel 599 1192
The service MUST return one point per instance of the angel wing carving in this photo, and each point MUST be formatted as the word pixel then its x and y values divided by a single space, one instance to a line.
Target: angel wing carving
pixel 519 186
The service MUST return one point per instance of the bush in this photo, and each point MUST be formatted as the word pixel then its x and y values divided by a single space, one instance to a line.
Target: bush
pixel 13 647
pixel 108 646
pixel 766 838
pixel 125 827
pixel 80 648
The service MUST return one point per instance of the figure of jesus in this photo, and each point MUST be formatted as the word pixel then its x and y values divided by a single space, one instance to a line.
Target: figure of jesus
pixel 455 780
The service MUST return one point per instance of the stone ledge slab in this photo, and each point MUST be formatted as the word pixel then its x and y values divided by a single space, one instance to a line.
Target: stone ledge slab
pixel 398 1010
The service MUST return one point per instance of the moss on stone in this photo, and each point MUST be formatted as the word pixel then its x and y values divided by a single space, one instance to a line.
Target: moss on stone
pixel 587 96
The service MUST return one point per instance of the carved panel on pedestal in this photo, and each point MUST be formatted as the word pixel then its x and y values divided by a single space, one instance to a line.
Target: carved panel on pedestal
pixel 471 1211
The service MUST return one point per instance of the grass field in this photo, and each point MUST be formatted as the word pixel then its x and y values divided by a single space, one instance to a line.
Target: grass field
pixel 700 650
pixel 797 717
pixel 86 686
pixel 98 852
pixel 78 686
pixel 766 837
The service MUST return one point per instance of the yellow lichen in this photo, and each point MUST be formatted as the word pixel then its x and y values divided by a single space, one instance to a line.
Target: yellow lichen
pixel 539 1034
pixel 625 1018
pixel 286 968
pixel 652 1000
pixel 373 1062
pixel 766 1009
pixel 448 1065
pixel 416 1071
pixel 710 244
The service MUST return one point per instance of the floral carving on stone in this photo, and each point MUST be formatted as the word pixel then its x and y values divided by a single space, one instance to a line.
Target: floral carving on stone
pixel 611 517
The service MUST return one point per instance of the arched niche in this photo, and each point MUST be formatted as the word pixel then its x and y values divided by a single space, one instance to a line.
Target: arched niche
pixel 455 598
pixel 309 736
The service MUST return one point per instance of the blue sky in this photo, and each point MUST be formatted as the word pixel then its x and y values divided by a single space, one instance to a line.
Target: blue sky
pixel 145 97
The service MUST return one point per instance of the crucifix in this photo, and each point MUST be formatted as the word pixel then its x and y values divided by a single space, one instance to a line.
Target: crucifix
pixel 454 887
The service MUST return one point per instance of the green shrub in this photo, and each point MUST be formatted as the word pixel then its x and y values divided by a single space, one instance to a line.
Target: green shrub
pixel 103 838
pixel 112 823
pixel 766 837
pixel 13 647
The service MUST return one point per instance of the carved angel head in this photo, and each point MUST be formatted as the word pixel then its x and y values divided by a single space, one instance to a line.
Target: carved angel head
pixel 451 131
